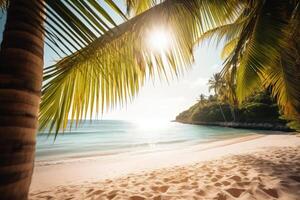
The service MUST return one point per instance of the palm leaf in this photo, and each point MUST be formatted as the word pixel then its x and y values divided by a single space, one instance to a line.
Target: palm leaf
pixel 3 4
pixel 138 6
pixel 266 53
pixel 225 33
pixel 284 78
pixel 261 48
pixel 229 48
pixel 73 24
pixel 112 68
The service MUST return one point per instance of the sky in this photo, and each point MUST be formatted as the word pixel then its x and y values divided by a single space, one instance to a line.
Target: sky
pixel 162 101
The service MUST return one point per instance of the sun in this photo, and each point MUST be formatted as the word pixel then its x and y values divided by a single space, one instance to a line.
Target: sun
pixel 159 39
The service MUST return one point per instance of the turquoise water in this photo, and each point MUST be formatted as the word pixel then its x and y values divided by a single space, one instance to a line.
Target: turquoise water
pixel 105 137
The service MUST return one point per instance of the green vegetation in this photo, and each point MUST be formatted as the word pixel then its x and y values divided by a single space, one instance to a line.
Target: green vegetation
pixel 104 64
pixel 224 106
pixel 259 109
pixel 261 51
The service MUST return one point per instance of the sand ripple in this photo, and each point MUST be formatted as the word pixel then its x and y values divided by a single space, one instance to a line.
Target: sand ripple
pixel 270 174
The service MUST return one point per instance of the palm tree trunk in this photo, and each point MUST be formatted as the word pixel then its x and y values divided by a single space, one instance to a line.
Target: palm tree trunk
pixel 21 68
pixel 232 109
pixel 222 112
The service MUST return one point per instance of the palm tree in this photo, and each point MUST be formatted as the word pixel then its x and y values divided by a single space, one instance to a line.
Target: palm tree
pixel 201 99
pixel 262 47
pixel 101 65
pixel 229 95
pixel 21 75
pixel 104 66
pixel 227 91
pixel 142 61
pixel 217 84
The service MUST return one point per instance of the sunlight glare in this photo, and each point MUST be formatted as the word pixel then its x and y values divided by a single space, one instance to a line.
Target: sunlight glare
pixel 159 39
pixel 151 124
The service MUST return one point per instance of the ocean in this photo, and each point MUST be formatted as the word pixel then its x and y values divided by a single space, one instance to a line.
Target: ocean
pixel 107 137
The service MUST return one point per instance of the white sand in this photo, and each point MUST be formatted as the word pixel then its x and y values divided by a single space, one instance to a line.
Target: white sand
pixel 251 167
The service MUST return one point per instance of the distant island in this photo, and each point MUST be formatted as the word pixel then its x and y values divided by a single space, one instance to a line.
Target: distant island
pixel 259 111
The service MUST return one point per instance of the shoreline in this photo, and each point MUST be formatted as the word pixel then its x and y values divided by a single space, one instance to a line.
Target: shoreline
pixel 83 171
pixel 241 125
pixel 129 151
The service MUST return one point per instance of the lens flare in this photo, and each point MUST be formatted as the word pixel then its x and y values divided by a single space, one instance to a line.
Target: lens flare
pixel 159 40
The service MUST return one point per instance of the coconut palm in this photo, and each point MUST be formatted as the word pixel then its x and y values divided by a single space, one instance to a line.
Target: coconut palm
pixel 104 66
pixel 201 99
pixel 227 91
pixel 127 73
pixel 29 25
pixel 262 49
pixel 100 66
pixel 217 84
pixel 229 94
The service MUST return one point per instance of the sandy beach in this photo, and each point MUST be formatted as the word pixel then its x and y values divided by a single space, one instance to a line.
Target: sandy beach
pixel 261 166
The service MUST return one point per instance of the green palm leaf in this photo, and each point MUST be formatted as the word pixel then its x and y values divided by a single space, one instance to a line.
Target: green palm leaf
pixel 265 54
pixel 225 33
pixel 284 78
pixel 73 24
pixel 111 69
pixel 262 48
pixel 139 6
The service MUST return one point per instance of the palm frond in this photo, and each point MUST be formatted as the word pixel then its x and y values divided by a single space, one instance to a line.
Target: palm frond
pixel 261 48
pixel 112 68
pixel 266 54
pixel 226 33
pixel 229 48
pixel 72 25
pixel 284 77
pixel 138 6
pixel 3 4
pixel 284 83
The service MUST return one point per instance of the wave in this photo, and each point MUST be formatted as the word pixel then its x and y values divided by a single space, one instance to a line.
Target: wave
pixel 115 137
